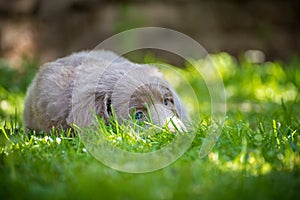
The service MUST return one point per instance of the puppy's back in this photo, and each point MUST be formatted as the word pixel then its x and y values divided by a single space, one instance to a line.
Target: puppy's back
pixel 47 101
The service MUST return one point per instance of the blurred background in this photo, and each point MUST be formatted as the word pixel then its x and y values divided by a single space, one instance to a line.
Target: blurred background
pixel 47 29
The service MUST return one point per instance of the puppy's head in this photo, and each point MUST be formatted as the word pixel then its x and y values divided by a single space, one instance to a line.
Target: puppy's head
pixel 143 94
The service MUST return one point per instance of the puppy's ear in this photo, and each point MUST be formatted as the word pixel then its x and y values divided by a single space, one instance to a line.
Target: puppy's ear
pixel 103 105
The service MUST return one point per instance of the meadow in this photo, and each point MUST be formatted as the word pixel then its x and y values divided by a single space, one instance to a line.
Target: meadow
pixel 255 157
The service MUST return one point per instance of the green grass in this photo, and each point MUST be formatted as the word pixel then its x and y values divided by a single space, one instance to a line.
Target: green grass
pixel 256 156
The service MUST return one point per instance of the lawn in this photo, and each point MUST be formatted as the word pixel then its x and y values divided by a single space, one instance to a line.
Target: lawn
pixel 256 156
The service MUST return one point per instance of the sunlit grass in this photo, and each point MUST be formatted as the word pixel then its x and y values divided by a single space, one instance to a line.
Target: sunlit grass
pixel 130 135
pixel 256 157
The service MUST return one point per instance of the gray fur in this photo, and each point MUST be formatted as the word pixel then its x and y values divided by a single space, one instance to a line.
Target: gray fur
pixel 64 90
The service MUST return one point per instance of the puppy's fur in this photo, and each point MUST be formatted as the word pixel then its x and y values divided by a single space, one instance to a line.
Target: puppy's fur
pixel 64 92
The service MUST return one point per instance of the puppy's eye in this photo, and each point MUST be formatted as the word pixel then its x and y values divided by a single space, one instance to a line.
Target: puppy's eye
pixel 139 115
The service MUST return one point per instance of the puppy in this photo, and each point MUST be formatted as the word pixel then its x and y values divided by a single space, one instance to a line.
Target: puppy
pixel 69 90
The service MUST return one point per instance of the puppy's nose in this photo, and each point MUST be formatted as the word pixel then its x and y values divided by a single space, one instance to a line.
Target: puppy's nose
pixel 175 124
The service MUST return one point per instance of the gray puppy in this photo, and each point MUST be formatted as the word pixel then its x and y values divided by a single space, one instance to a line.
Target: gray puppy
pixel 66 90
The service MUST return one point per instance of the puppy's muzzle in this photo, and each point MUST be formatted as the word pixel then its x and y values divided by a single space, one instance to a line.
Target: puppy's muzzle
pixel 164 117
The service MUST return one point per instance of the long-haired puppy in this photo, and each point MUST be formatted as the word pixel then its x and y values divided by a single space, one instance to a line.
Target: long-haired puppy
pixel 70 89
